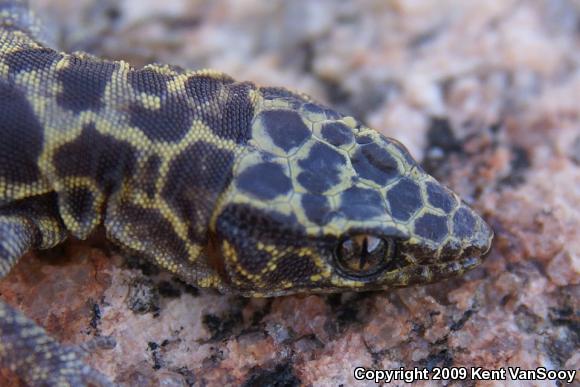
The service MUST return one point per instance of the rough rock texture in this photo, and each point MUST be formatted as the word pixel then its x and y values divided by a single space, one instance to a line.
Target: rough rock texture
pixel 485 93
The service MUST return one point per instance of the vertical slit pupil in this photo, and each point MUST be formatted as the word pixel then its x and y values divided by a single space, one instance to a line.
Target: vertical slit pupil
pixel 364 253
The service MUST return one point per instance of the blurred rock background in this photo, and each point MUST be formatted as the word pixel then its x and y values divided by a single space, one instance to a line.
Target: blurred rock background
pixel 484 93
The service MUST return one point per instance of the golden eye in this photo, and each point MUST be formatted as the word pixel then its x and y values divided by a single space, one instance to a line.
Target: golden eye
pixel 364 255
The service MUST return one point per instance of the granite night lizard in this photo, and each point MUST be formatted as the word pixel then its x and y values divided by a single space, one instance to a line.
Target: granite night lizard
pixel 259 191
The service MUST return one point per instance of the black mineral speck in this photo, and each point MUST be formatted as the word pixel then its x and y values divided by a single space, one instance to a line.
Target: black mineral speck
pixel 441 142
pixel 520 162
pixel 188 375
pixel 143 296
pixel 442 358
pixel 221 327
pixel 575 151
pixel 155 355
pixel 96 316
pixel 168 290
pixel 280 376
pixel 137 263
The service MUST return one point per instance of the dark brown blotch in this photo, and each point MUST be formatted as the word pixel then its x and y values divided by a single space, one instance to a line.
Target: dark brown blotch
pixel 149 176
pixel 433 227
pixel 149 81
pixel 94 155
pixel 265 181
pixel 232 119
pixel 404 199
pixel 285 128
pixel 361 203
pixel 337 133
pixel 80 204
pixel 170 122
pixel 195 179
pixel 32 59
pixel 254 261
pixel 317 208
pixel 83 83
pixel 21 137
pixel 134 225
pixel 203 88
pixel 321 169
pixel 375 163
pixel 294 268
pixel 463 223
pixel 440 197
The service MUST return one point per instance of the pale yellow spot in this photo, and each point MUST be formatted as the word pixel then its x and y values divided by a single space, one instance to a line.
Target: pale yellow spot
pixel 151 102
pixel 349 121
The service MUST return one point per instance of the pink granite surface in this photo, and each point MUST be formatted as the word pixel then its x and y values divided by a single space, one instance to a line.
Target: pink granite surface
pixel 484 93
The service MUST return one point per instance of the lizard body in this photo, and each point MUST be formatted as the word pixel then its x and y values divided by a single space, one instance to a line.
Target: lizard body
pixel 253 190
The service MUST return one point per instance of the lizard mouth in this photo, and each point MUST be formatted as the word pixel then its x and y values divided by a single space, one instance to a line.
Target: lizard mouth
pixel 424 274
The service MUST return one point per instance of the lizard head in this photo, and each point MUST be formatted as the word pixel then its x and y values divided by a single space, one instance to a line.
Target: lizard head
pixel 319 202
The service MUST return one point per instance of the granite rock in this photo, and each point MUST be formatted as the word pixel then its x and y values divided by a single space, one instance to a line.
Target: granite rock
pixel 484 93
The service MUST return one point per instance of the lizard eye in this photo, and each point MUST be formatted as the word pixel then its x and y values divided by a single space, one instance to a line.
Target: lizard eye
pixel 364 255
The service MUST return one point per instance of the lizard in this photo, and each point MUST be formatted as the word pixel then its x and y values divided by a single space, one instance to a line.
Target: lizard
pixel 257 191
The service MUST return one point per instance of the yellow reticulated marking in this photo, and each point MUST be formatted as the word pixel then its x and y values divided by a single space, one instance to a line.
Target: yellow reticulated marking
pixel 198 131
pixel 211 73
pixel 4 69
pixel 229 251
pixel 149 101
pixel 348 148
pixel 129 135
pixel 51 231
pixel 66 185
pixel 195 252
pixel 161 68
pixel 124 67
pixel 55 138
pixel 285 284
pixel 298 210
pixel 350 122
pixel 254 278
pixel 177 84
pixel 178 224
pixel 167 264
pixel 319 262
pixel 33 80
pixel 272 251
pixel 275 254
pixel 315 118
pixel 11 191
pixel 63 63
pixel 255 98
pixel 346 283
pixel 209 282
pixel 345 176
pixel 141 199
pixel 315 278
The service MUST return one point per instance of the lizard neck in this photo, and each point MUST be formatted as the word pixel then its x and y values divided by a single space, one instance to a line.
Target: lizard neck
pixel 159 137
